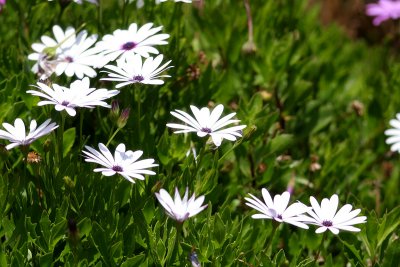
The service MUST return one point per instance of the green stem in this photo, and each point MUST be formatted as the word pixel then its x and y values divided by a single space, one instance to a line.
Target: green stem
pixel 80 129
pixel 175 252
pixel 320 247
pixel 138 100
pixel 61 138
pixel 99 17
pixel 112 137
pixel 237 143
pixel 269 241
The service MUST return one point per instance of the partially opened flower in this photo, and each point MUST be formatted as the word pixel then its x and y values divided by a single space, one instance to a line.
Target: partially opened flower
pixel 132 70
pixel 383 10
pixel 278 209
pixel 394 134
pixel 180 209
pixel 326 216
pixel 132 41
pixel 79 95
pixel 205 123
pixel 16 133
pixel 124 162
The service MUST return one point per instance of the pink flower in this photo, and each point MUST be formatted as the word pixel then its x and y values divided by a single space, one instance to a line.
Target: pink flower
pixel 2 3
pixel 383 10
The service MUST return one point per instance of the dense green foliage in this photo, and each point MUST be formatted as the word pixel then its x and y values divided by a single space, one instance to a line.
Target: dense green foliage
pixel 310 98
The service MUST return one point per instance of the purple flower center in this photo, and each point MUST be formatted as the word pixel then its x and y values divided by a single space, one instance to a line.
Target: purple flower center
pixel 327 223
pixel 69 59
pixel 138 78
pixel 129 46
pixel 279 216
pixel 65 103
pixel 206 130
pixel 117 168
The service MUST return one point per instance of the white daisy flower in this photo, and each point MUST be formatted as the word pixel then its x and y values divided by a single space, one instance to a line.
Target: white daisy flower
pixel 206 123
pixel 123 162
pixel 180 209
pixel 326 216
pixel 278 209
pixel 132 41
pixel 394 134
pixel 79 95
pixel 78 59
pixel 132 70
pixel 46 52
pixel 17 135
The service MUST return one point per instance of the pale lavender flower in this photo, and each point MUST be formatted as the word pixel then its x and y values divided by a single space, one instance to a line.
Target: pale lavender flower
pixel 132 41
pixel 78 59
pixel 124 162
pixel 2 4
pixel 327 217
pixel 180 209
pixel 278 209
pixel 383 10
pixel 132 69
pixel 16 133
pixel 206 123
pixel 79 95
pixel 46 53
pixel 70 53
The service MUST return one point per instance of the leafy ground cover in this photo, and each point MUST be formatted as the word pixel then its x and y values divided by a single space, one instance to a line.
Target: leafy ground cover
pixel 315 104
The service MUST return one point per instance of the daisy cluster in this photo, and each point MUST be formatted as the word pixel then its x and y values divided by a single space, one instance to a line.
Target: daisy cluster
pixel 126 57
pixel 325 216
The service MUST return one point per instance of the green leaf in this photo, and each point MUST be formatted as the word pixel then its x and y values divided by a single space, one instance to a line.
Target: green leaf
pixel 279 258
pixel 392 254
pixel 219 229
pixel 3 258
pixel 352 253
pixel 281 143
pixel 68 141
pixel 389 223
pixel 134 261
pixel 46 260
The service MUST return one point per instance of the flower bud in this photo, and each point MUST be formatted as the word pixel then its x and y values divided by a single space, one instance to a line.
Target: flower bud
pixel 114 114
pixel 69 182
pixel 123 118
pixel 47 145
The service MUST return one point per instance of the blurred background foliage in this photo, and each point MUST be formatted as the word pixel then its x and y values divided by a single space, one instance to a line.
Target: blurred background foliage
pixel 315 89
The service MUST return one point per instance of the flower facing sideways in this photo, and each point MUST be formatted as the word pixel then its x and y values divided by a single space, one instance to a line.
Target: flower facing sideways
pixel 131 70
pixel 326 217
pixel 123 162
pixel 180 209
pixel 206 123
pixel 394 134
pixel 17 135
pixel 383 10
pixel 78 95
pixel 277 209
